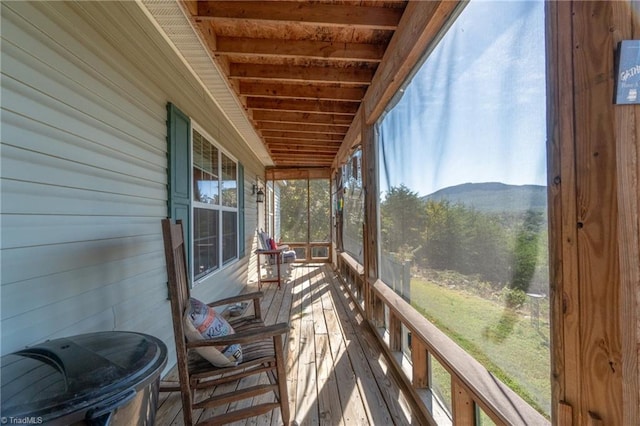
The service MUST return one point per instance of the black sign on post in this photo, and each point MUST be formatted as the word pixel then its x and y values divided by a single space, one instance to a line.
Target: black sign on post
pixel 628 77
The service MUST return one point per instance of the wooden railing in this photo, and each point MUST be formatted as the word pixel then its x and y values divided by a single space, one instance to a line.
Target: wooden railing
pixel 472 386
pixel 308 250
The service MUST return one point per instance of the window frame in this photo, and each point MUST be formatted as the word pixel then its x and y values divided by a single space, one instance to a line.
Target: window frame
pixel 219 207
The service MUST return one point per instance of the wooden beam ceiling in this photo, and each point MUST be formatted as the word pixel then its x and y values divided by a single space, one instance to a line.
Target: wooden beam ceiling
pixel 301 69
pixel 254 47
pixel 301 91
pixel 303 13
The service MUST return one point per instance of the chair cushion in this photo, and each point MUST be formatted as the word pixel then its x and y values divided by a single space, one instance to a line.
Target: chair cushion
pixel 264 241
pixel 202 322
pixel 289 256
pixel 272 244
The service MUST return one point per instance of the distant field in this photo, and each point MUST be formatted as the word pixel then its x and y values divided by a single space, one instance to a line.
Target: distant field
pixel 504 341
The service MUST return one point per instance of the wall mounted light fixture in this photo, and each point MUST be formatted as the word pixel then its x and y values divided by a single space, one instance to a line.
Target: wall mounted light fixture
pixel 258 192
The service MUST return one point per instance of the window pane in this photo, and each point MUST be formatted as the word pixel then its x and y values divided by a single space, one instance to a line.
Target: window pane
pixel 353 207
pixel 463 204
pixel 293 211
pixel 205 170
pixel 229 236
pixel 319 210
pixel 205 241
pixel 229 182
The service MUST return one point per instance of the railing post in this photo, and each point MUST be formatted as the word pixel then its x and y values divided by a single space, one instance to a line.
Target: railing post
pixel 420 363
pixel 464 412
pixel 395 332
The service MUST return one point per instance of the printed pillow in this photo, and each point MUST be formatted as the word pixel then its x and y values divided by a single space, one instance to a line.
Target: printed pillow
pixel 202 322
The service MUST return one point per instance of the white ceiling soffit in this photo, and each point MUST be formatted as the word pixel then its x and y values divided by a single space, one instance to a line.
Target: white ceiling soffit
pixel 173 23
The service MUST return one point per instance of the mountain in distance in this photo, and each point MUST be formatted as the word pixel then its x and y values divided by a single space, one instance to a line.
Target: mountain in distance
pixel 494 197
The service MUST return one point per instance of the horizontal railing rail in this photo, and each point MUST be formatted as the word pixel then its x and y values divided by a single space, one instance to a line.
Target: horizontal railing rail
pixel 308 250
pixel 471 383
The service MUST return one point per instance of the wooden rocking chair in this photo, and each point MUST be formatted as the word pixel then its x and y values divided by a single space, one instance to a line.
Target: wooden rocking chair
pixel 262 348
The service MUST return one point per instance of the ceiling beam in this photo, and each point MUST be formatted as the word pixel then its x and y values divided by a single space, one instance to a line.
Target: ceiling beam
pixel 326 50
pixel 294 164
pixel 301 74
pixel 347 15
pixel 278 173
pixel 308 127
pixel 303 152
pixel 300 117
pixel 321 107
pixel 274 134
pixel 301 91
pixel 306 157
pixel 272 141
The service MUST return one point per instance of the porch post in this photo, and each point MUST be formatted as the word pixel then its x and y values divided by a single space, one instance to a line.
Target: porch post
pixel 370 238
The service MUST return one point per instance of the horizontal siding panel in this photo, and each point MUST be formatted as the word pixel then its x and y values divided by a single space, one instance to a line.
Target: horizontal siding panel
pixel 84 91
pixel 156 59
pixel 155 321
pixel 41 261
pixel 26 101
pixel 32 198
pixel 33 73
pixel 29 295
pixel 32 135
pixel 73 311
pixel 66 57
pixel 146 304
pixel 20 231
pixel 100 321
pixel 17 164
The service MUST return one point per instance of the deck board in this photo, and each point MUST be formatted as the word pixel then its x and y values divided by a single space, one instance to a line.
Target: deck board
pixel 336 373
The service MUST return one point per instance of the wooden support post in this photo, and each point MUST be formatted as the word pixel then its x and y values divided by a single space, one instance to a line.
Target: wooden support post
pixel 464 412
pixel 420 363
pixel 370 236
pixel 395 333
pixel 378 311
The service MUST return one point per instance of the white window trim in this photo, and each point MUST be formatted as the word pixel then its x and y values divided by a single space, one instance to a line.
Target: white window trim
pixel 219 207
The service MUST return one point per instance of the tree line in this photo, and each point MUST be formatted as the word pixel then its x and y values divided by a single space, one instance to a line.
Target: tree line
pixel 505 249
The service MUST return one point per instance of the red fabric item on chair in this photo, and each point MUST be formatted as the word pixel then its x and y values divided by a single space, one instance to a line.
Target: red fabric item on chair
pixel 272 244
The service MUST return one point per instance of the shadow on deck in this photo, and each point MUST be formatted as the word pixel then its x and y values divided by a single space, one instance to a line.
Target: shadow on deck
pixel 337 374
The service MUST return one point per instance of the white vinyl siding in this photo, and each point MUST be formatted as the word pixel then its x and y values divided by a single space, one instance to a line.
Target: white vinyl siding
pixel 83 185
pixel 83 173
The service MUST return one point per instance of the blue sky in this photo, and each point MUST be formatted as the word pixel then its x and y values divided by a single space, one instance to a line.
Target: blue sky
pixel 475 112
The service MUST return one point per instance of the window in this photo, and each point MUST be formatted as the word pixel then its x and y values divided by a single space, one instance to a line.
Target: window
pixel 215 207
pixel 353 206
pixel 204 185
pixel 463 197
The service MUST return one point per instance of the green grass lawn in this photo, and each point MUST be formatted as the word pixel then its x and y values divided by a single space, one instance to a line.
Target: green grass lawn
pixel 504 341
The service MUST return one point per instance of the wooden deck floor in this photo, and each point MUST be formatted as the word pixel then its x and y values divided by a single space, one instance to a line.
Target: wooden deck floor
pixel 336 372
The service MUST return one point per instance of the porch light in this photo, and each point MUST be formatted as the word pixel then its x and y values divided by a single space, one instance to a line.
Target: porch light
pixel 260 196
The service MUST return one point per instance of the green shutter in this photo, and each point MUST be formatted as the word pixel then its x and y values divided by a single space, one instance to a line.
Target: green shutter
pixel 241 238
pixel 179 165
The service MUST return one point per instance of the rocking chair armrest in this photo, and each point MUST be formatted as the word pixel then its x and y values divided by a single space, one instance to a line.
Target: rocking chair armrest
pixel 235 299
pixel 243 337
